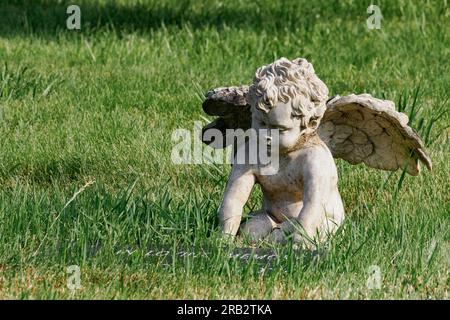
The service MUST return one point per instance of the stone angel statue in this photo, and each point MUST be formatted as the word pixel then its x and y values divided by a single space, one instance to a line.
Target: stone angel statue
pixel 301 200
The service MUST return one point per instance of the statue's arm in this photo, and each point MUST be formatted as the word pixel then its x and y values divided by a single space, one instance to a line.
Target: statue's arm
pixel 237 192
pixel 316 170
pixel 317 174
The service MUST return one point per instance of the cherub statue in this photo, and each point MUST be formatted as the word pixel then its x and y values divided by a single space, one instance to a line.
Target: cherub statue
pixel 301 200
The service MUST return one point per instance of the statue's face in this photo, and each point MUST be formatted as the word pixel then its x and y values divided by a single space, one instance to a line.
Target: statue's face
pixel 280 118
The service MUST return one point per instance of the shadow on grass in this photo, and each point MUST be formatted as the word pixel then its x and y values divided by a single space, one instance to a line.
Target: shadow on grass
pixel 47 18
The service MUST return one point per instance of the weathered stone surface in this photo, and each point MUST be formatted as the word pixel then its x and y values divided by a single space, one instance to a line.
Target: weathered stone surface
pixel 370 118
pixel 225 101
pixel 301 199
pixel 385 128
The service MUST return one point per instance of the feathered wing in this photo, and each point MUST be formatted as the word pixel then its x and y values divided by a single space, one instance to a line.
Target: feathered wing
pixel 231 107
pixel 360 128
pixel 356 128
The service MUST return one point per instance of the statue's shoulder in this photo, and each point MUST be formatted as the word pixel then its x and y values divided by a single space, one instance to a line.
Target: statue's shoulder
pixel 310 141
pixel 314 152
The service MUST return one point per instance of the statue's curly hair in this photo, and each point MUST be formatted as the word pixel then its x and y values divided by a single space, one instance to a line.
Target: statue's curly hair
pixel 295 81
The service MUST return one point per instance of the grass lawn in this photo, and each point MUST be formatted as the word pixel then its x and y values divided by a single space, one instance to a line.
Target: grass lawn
pixel 86 119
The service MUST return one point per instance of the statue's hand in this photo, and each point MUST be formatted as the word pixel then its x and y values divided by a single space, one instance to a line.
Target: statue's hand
pixel 227 238
pixel 288 230
pixel 277 236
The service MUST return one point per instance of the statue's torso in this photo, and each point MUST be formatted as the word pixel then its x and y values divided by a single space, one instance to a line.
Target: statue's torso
pixel 283 191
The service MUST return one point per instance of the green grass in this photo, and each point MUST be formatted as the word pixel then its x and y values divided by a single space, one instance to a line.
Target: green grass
pixel 100 105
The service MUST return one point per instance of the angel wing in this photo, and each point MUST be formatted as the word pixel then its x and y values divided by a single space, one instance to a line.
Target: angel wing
pixel 356 128
pixel 361 128
pixel 231 107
